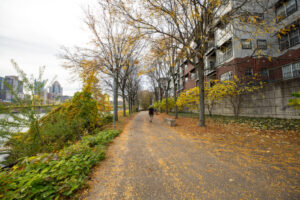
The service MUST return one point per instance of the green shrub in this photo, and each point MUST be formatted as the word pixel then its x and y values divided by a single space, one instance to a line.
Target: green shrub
pixel 105 119
pixel 55 175
pixel 65 124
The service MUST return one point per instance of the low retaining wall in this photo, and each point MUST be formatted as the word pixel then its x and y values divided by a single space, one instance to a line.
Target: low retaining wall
pixel 271 101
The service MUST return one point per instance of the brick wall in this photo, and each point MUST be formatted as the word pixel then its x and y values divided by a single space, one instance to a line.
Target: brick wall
pixel 187 73
pixel 271 101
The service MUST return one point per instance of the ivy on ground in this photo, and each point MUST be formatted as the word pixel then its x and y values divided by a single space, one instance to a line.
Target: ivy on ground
pixel 55 175
pixel 254 122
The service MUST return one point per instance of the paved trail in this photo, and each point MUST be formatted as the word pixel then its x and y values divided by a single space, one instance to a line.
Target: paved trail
pixel 151 161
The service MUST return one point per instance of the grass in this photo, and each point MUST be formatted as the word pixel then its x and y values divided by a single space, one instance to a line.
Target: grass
pixel 254 122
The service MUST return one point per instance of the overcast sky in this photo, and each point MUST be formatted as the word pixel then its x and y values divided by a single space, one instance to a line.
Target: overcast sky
pixel 31 32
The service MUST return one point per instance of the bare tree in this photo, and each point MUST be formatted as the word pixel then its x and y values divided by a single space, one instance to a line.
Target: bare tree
pixel 113 47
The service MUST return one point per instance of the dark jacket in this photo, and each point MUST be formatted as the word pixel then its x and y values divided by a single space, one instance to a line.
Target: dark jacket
pixel 151 111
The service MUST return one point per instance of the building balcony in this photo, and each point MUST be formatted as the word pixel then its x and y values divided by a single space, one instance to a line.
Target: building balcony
pixel 210 69
pixel 225 56
pixel 210 48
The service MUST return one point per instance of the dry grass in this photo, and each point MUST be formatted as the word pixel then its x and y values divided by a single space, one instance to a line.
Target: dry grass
pixel 243 144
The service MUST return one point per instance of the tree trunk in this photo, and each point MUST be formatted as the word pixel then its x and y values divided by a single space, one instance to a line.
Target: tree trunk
pixel 124 104
pixel 236 106
pixel 167 106
pixel 160 98
pixel 129 104
pixel 136 105
pixel 201 95
pixel 115 100
pixel 175 99
pixel 209 108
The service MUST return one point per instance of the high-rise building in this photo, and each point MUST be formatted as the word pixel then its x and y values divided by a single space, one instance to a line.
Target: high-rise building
pixel 56 91
pixel 10 88
pixel 1 88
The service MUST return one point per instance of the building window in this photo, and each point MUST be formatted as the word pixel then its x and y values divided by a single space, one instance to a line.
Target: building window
pixel 262 44
pixel 294 37
pixel 226 76
pixel 284 42
pixel 291 70
pixel 259 17
pixel 186 79
pixel 285 8
pixel 193 76
pixel 246 44
pixel 249 72
pixel 264 73
pixel 185 67
pixel 291 38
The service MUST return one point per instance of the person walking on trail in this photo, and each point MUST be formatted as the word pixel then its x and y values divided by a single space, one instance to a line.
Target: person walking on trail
pixel 151 113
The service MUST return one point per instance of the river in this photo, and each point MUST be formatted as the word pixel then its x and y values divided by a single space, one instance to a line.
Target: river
pixel 2 157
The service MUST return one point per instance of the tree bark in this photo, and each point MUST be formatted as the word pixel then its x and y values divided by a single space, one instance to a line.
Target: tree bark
pixel 175 99
pixel 124 104
pixel 115 100
pixel 201 94
pixel 129 104
pixel 167 102
pixel 160 98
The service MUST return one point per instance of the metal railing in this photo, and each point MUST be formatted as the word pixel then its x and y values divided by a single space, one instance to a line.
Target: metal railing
pixel 223 57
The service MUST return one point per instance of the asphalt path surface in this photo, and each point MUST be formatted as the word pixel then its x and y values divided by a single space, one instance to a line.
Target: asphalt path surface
pixel 152 161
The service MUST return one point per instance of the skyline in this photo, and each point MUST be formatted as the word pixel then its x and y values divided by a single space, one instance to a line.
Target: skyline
pixel 34 34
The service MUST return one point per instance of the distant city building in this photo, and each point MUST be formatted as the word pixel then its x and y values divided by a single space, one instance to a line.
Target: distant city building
pixel 65 98
pixel 1 88
pixel 56 91
pixel 10 88
pixel 39 86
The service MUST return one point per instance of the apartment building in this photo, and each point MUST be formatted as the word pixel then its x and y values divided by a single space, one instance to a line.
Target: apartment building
pixel 188 76
pixel 236 48
pixel 240 51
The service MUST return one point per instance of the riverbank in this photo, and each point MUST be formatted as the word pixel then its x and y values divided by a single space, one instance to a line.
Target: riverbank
pixel 61 174
pixel 9 118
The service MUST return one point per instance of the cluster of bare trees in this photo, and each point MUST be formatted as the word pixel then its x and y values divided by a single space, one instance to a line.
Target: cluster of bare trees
pixel 174 30
pixel 114 51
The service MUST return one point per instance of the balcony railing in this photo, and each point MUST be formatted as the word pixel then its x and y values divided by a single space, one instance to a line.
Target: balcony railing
pixel 223 57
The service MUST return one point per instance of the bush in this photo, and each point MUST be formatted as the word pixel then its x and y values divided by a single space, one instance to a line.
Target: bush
pixel 62 126
pixel 105 119
pixel 55 175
